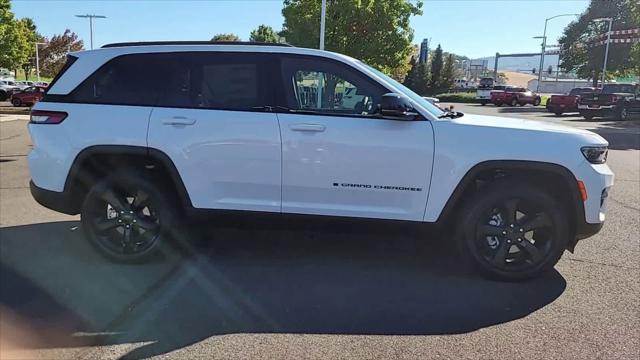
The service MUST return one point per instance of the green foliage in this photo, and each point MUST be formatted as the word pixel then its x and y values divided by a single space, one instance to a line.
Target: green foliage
pixel 15 38
pixel 457 97
pixel 225 37
pixel 418 77
pixel 436 68
pixel 635 50
pixel 448 73
pixel 265 34
pixel 53 55
pixel 587 60
pixel 375 31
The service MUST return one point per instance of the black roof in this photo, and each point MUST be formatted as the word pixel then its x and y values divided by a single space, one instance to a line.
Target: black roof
pixel 146 43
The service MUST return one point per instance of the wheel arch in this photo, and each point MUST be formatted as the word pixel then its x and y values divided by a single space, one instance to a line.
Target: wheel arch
pixel 556 179
pixel 95 162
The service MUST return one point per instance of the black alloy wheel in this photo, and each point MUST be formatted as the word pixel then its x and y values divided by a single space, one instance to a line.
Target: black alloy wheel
pixel 513 231
pixel 127 218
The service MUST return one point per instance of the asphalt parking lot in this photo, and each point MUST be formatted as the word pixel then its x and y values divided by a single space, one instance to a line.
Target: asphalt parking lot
pixel 306 293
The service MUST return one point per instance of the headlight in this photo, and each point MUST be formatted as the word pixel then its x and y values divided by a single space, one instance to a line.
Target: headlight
pixel 595 154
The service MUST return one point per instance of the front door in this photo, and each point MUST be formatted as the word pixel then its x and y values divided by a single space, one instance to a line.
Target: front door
pixel 338 158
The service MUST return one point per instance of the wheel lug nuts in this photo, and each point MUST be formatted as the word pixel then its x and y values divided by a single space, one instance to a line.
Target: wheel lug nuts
pixel 511 226
pixel 134 220
pixel 508 241
pixel 519 239
pixel 128 226
pixel 521 230
pixel 504 233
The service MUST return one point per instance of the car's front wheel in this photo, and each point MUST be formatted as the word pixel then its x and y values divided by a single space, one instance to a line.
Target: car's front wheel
pixel 537 101
pixel 16 102
pixel 513 231
pixel 128 218
pixel 514 102
pixel 624 114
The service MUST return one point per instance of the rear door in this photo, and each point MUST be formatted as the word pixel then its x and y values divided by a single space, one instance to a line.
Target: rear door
pixel 211 123
pixel 341 159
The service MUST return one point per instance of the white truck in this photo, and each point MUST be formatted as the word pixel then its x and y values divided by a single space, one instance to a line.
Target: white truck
pixel 224 132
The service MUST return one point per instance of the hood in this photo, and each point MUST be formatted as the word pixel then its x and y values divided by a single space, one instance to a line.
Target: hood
pixel 528 125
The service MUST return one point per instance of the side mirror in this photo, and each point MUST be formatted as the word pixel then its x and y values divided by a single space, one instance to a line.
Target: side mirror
pixel 397 106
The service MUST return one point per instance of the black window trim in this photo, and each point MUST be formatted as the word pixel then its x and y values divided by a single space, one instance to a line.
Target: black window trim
pixel 268 78
pixel 281 100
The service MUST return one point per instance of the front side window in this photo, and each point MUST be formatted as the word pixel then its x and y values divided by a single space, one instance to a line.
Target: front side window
pixel 328 87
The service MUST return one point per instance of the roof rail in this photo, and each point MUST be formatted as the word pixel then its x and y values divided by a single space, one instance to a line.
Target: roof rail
pixel 146 43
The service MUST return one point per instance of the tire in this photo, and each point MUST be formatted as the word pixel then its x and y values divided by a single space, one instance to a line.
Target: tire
pixel 493 236
pixel 537 101
pixel 498 104
pixel 3 95
pixel 483 102
pixel 558 113
pixel 16 102
pixel 514 102
pixel 128 203
pixel 588 116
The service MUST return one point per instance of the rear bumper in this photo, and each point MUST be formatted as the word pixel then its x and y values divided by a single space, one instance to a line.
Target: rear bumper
pixel 561 108
pixel 54 200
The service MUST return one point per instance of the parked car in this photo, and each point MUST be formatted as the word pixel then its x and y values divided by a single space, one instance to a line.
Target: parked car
pixel 515 96
pixel 230 135
pixel 7 87
pixel 614 100
pixel 41 83
pixel 559 104
pixel 28 96
pixel 24 84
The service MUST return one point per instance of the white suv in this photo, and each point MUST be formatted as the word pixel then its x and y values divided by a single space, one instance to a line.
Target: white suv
pixel 136 136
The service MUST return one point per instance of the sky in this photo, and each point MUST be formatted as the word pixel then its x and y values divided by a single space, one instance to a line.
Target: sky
pixel 473 28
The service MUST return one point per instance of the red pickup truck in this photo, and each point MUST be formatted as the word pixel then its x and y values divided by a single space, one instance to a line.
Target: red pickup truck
pixel 515 96
pixel 559 104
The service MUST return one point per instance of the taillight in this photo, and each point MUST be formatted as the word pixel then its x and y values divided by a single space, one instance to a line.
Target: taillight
pixel 47 117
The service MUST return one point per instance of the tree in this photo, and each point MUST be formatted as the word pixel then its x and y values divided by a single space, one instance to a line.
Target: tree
pixel 581 44
pixel 33 37
pixel 53 55
pixel 436 68
pixel 375 31
pixel 14 39
pixel 225 37
pixel 265 34
pixel 448 73
pixel 635 50
pixel 418 77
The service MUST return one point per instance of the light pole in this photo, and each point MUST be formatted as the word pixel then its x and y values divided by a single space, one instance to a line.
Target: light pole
pixel 323 11
pixel 606 51
pixel 38 60
pixel 91 17
pixel 544 44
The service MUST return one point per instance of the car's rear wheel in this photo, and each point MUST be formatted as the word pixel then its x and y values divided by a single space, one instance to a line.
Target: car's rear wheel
pixel 513 231
pixel 16 102
pixel 537 101
pixel 3 95
pixel 128 218
pixel 514 102
pixel 498 104
pixel 558 113
pixel 483 102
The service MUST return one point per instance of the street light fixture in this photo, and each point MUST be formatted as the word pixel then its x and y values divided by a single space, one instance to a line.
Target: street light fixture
pixel 544 45
pixel 91 17
pixel 606 52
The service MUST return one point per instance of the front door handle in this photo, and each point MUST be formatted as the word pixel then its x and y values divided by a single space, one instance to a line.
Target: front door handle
pixel 179 120
pixel 307 127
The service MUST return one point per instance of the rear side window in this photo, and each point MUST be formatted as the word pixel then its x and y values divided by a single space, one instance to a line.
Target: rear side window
pixel 216 80
pixel 125 80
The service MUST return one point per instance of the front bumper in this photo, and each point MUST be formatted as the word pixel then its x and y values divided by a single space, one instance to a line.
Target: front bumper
pixel 54 200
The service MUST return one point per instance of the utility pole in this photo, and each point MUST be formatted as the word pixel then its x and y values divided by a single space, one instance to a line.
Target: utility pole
pixel 38 60
pixel 323 12
pixel 606 51
pixel 91 17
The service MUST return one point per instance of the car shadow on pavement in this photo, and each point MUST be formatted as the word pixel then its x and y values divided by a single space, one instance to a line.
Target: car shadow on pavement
pixel 304 281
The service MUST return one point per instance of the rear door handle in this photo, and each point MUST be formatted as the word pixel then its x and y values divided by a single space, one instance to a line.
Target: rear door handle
pixel 307 127
pixel 179 120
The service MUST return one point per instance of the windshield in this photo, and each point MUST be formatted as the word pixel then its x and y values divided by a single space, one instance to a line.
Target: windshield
pixel 432 109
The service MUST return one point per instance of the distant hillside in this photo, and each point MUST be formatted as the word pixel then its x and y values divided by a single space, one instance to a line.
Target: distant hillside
pixel 518 79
